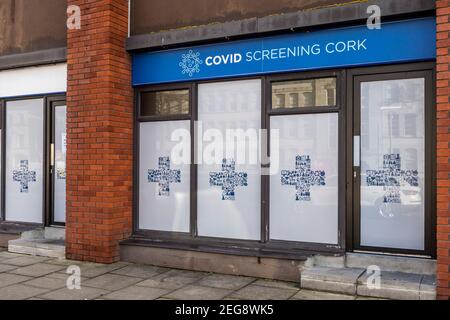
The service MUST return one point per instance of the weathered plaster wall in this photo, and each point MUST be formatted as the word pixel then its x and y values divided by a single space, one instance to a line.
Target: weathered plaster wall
pixel 31 25
pixel 152 16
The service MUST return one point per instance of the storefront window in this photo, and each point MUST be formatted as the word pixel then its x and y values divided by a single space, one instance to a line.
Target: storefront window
pixel 160 103
pixel 304 93
pixel 164 175
pixel 304 194
pixel 164 183
pixel 225 195
pixel 229 184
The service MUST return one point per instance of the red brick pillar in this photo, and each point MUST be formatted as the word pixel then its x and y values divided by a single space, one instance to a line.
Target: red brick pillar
pixel 99 132
pixel 443 147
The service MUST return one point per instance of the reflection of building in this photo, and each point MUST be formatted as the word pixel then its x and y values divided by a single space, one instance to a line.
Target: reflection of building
pixel 317 137
pixel 165 102
pixel 393 121
pixel 304 93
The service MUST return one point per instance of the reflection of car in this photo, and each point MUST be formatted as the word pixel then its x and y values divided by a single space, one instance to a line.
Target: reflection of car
pixel 372 197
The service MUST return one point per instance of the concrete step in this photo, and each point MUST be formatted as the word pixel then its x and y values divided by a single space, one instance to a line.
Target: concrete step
pixel 54 233
pixel 384 262
pixel 391 263
pixel 399 286
pixel 339 280
pixel 39 247
pixel 45 242
pixel 6 237
pixel 401 278
pixel 33 234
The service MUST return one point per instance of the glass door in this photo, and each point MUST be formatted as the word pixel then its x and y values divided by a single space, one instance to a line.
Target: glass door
pixel 58 150
pixel 24 161
pixel 33 164
pixel 392 162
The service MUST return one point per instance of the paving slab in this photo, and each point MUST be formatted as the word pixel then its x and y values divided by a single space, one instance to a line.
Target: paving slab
pixel 225 281
pixel 7 279
pixel 95 270
pixel 47 283
pixel 140 271
pixel 195 292
pixel 20 292
pixel 67 263
pixel 173 279
pixel 63 277
pixel 341 280
pixel 24 261
pixel 8 255
pixel 111 282
pixel 277 284
pixel 255 292
pixel 394 285
pixel 136 293
pixel 369 299
pixel 86 293
pixel 37 270
pixel 318 295
pixel 6 267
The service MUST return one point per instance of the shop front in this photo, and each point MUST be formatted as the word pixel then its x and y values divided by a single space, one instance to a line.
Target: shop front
pixel 33 146
pixel 283 146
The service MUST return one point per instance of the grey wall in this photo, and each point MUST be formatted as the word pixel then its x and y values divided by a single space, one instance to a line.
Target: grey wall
pixel 158 15
pixel 31 25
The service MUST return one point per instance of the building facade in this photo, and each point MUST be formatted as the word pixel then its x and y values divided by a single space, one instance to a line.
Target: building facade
pixel 340 130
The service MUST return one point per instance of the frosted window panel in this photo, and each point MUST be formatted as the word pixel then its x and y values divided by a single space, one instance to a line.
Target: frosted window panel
pixel 393 164
pixel 164 187
pixel 60 165
pixel 230 208
pixel 304 193
pixel 24 161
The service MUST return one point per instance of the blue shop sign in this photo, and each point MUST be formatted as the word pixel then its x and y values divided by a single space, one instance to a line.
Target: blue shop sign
pixel 395 42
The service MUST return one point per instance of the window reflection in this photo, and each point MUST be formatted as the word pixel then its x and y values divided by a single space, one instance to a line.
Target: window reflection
pixel 160 103
pixel 304 93
pixel 393 127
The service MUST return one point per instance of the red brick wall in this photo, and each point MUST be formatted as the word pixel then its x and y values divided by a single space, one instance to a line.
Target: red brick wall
pixel 443 145
pixel 100 128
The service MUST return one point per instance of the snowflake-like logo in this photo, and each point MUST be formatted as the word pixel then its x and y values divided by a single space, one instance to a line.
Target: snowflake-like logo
pixel 190 63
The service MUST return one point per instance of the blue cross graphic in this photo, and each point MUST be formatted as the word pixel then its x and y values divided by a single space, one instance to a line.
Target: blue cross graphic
pixel 228 179
pixel 164 176
pixel 24 176
pixel 391 177
pixel 303 178
pixel 61 173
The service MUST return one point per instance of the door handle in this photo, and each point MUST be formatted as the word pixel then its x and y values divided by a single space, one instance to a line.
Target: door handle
pixel 356 151
pixel 52 154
